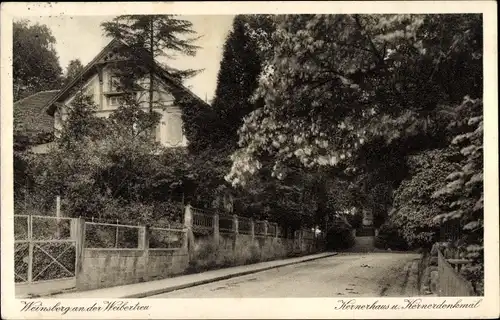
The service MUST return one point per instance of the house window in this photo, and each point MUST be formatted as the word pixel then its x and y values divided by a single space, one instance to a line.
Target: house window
pixel 114 84
pixel 116 101
pixel 174 129
pixel 157 132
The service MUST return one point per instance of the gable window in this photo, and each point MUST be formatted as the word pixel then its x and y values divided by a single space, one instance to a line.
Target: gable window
pixel 114 84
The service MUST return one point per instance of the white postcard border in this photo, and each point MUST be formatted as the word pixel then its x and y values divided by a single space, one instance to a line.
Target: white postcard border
pixel 258 308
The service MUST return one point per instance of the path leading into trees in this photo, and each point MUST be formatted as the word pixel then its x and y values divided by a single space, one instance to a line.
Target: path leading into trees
pixel 344 275
pixel 364 244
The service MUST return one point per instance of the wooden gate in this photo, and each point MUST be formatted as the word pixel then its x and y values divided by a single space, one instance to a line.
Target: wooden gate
pixel 44 255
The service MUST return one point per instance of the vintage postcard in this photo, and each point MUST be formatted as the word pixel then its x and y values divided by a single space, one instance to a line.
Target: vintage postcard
pixel 172 160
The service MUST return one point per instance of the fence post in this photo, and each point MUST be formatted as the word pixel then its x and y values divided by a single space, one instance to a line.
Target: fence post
pixel 216 229
pixel 265 228
pixel 252 229
pixel 188 223
pixel 276 230
pixel 143 238
pixel 79 236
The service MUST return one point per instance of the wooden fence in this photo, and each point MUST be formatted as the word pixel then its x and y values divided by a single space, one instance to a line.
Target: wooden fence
pixel 451 282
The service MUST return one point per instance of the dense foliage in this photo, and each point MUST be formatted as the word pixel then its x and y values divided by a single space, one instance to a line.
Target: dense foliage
pixel 307 196
pixel 35 61
pixel 355 219
pixel 236 82
pixel 74 67
pixel 35 68
pixel 413 209
pixel 462 197
pixel 109 168
pixel 313 115
pixel 339 236
pixel 371 96
pixel 389 237
pixel 212 131
pixel 334 82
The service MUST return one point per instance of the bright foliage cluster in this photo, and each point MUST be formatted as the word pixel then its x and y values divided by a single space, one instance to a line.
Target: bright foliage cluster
pixel 334 82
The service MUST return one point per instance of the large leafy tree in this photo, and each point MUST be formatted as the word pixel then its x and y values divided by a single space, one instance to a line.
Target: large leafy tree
pixel 35 61
pixel 333 83
pixel 306 196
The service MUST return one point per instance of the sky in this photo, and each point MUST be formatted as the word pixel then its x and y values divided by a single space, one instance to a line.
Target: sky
pixel 81 37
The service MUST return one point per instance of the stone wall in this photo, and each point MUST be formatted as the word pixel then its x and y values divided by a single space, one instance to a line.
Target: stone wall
pixel 103 268
pixel 199 251
pixel 428 275
pixel 243 241
pixel 238 249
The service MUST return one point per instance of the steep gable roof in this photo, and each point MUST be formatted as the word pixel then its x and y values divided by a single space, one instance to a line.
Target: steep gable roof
pixel 50 106
pixel 30 113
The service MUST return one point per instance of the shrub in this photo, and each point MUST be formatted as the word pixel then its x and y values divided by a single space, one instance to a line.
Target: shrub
pixel 356 220
pixel 390 237
pixel 414 209
pixel 339 236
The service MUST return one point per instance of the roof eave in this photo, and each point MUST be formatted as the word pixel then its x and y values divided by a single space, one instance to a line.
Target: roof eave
pixel 51 107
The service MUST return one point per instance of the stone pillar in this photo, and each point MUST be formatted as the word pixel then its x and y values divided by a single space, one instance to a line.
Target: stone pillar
pixel 216 229
pixel 235 224
pixel 235 232
pixel 188 224
pixel 78 234
pixel 188 217
pixel 265 227
pixel 252 229
pixel 143 244
pixel 143 238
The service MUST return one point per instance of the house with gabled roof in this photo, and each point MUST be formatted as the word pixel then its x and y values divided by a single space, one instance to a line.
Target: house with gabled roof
pixel 44 112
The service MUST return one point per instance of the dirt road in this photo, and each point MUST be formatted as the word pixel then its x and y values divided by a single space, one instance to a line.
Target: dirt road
pixel 348 274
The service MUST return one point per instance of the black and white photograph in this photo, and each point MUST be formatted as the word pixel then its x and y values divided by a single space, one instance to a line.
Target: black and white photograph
pixel 166 155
